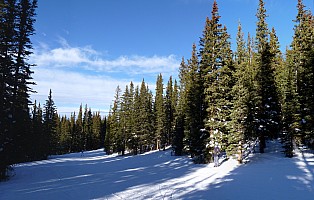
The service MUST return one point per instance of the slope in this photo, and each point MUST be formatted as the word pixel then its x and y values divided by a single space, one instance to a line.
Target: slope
pixel 158 175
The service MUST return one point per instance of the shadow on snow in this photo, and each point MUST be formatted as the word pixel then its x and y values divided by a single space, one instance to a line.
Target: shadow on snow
pixel 266 176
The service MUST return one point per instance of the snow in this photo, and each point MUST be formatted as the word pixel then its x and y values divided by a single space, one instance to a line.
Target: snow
pixel 158 175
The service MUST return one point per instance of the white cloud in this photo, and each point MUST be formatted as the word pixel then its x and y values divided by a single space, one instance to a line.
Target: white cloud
pixel 82 75
pixel 70 89
pixel 90 59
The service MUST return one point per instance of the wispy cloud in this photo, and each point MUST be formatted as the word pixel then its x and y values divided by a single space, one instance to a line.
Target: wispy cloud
pixel 83 75
pixel 70 89
pixel 89 59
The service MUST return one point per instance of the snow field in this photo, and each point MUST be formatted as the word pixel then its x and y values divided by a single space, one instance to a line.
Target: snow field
pixel 158 175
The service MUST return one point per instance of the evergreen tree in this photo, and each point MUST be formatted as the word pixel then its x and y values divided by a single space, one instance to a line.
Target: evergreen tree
pixel 50 126
pixel 195 115
pixel 65 135
pixel 126 118
pixel 160 114
pixel 23 24
pixel 239 115
pixel 135 140
pixel 37 127
pixel 103 132
pixel 87 128
pixel 217 70
pixel 16 27
pixel 302 61
pixel 74 136
pixel 145 118
pixel 179 133
pixel 115 125
pixel 108 147
pixel 96 142
pixel 175 101
pixel 79 135
pixel 268 108
pixel 131 115
pixel 290 105
pixel 169 111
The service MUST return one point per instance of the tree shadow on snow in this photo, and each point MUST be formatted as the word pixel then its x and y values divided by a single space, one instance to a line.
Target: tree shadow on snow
pixel 266 176
pixel 93 175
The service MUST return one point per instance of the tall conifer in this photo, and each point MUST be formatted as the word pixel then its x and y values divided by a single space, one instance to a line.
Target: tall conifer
pixel 160 113
pixel 267 101
pixel 217 71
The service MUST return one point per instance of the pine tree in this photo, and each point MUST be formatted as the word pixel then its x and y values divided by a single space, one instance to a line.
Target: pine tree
pixel 179 133
pixel 79 135
pixel 103 132
pixel 65 136
pixel 96 142
pixel 268 108
pixel 22 47
pixel 126 118
pixel 115 125
pixel 290 105
pixel 239 115
pixel 302 59
pixel 145 117
pixel 217 70
pixel 16 27
pixel 131 115
pixel 108 141
pixel 135 140
pixel 87 128
pixel 160 114
pixel 169 111
pixel 37 127
pixel 195 115
pixel 50 126
pixel 175 101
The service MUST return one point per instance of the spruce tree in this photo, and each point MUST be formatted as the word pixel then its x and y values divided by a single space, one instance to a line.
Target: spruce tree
pixel 169 111
pixel 267 101
pixel 145 117
pixel 16 27
pixel 195 109
pixel 79 130
pixel 74 138
pixel 96 126
pixel 179 133
pixel 134 137
pixel 126 115
pixel 37 127
pixel 131 115
pixel 115 125
pixel 50 126
pixel 217 70
pixel 290 105
pixel 65 135
pixel 160 113
pixel 241 97
pixel 103 132
pixel 302 61
pixel 87 128
pixel 108 140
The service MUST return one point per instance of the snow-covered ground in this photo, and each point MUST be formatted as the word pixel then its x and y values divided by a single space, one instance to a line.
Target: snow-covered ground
pixel 158 175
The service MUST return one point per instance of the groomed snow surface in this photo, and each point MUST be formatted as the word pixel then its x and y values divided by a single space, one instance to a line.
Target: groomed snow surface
pixel 158 175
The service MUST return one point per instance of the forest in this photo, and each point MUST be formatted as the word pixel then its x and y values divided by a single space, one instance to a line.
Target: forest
pixel 223 97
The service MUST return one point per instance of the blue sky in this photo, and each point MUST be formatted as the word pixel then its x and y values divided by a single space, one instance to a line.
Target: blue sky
pixel 84 49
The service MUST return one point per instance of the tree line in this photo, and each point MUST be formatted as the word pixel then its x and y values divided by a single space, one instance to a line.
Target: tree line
pixel 56 134
pixel 222 97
